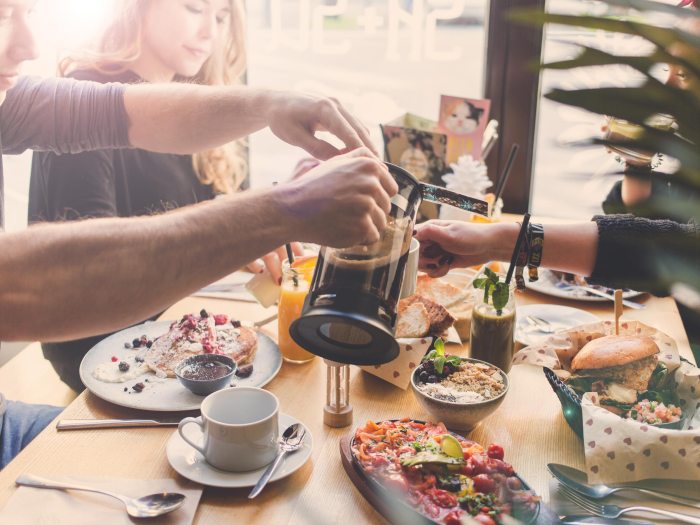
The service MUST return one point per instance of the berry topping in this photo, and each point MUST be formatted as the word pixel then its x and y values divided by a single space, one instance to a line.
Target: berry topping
pixel 244 371
pixel 138 387
pixel 114 359
pixel 203 313
pixel 220 319
pixel 123 366
pixel 235 323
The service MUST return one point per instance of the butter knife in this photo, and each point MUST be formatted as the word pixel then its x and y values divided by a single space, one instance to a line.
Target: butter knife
pixel 82 424
pixel 595 520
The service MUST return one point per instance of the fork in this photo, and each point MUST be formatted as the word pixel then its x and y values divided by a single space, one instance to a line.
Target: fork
pixel 613 511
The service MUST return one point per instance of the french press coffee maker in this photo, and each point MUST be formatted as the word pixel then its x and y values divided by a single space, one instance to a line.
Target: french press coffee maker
pixel 349 314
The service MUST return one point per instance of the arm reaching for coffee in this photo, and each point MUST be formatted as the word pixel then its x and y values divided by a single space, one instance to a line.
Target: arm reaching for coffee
pixel 454 244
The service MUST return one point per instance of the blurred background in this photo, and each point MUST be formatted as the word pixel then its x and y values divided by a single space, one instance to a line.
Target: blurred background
pixel 382 58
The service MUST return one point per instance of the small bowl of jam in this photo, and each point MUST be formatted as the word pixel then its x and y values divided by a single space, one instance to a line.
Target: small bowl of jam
pixel 206 373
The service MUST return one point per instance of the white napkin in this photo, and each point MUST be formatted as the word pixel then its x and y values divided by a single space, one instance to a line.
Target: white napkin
pixel 30 506
pixel 398 372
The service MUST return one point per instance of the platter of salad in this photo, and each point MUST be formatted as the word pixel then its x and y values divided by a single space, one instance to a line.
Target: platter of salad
pixel 423 473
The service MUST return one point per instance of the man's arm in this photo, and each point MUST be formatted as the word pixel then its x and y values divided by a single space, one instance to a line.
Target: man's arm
pixel 68 116
pixel 179 118
pixel 66 281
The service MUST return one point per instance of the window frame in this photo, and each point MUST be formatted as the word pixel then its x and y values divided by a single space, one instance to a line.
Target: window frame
pixel 513 85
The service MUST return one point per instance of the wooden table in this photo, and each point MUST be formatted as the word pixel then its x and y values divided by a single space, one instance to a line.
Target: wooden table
pixel 529 425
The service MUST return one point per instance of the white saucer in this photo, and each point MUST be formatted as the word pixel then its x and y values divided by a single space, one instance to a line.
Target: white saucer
pixel 191 464
pixel 561 318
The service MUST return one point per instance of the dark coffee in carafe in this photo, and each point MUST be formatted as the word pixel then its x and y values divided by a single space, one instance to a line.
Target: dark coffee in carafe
pixel 376 269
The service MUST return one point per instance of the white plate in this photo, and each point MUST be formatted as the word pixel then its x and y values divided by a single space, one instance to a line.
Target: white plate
pixel 561 318
pixel 164 395
pixel 547 281
pixel 190 464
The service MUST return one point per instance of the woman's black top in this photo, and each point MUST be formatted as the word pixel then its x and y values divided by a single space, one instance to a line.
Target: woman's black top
pixel 106 183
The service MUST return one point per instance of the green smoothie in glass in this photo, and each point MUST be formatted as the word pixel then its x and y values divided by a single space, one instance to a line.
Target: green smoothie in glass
pixel 493 321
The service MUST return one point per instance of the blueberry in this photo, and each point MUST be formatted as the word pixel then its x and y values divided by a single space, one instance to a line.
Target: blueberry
pixel 149 343
pixel 244 371
pixel 235 323
pixel 203 313
pixel 128 345
pixel 136 343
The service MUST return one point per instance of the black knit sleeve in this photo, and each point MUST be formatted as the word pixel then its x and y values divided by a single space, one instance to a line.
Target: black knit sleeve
pixel 645 254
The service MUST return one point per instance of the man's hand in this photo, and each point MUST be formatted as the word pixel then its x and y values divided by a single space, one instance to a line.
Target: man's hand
pixel 295 118
pixel 343 201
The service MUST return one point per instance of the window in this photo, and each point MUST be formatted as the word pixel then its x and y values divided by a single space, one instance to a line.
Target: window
pixel 572 182
pixel 380 58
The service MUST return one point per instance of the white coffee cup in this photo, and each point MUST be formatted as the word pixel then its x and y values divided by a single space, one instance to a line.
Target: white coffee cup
pixel 240 428
pixel 408 286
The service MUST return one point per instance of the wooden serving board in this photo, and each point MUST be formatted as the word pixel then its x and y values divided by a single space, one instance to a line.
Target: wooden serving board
pixel 394 510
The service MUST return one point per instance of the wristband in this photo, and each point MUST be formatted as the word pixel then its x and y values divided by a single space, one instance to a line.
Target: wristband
pixel 535 243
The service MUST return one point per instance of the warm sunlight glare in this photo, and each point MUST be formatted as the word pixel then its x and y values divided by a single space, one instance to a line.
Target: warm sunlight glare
pixel 79 21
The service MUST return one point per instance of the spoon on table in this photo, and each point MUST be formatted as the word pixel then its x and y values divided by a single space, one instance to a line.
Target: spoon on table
pixel 540 325
pixel 292 439
pixel 145 507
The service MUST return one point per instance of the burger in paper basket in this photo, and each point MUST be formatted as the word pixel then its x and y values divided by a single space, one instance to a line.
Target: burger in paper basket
pixel 629 396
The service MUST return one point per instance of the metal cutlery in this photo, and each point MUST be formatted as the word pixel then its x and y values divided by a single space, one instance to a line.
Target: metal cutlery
pixel 292 439
pixel 540 325
pixel 613 511
pixel 81 424
pixel 600 293
pixel 145 507
pixel 585 519
pixel 576 480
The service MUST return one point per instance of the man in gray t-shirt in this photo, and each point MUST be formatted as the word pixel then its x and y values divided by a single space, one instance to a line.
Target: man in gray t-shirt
pixel 101 275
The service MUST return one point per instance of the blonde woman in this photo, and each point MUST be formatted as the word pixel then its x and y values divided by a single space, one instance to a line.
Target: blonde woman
pixel 152 41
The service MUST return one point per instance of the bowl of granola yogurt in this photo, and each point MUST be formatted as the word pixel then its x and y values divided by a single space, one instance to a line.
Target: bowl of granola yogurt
pixel 461 393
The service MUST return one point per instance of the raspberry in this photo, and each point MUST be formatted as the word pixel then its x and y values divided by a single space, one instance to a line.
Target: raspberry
pixel 220 319
pixel 114 359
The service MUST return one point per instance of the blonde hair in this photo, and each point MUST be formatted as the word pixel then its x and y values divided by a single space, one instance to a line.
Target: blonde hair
pixel 224 168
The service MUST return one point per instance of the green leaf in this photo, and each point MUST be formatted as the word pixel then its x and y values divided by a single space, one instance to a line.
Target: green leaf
pixel 500 297
pixel 649 5
pixel 487 290
pixel 439 346
pixel 454 360
pixel 661 36
pixel 439 364
pixel 493 277
pixel 480 282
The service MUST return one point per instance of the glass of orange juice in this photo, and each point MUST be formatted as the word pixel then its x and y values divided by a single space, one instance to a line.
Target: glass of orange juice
pixel 494 210
pixel 296 280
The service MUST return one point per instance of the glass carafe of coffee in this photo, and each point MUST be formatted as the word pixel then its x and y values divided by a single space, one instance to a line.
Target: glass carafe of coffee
pixel 350 312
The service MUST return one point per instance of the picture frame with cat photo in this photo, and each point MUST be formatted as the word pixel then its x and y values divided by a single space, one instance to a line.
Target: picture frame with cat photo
pixel 463 120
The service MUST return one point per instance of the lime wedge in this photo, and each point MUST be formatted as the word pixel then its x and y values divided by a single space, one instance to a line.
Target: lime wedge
pixel 450 446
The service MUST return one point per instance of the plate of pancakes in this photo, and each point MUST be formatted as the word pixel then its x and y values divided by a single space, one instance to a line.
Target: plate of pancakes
pixel 134 368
